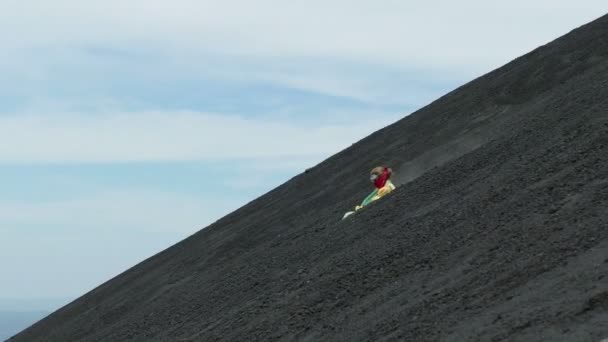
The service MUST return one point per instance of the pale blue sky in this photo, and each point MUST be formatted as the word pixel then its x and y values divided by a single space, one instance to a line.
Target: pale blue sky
pixel 127 126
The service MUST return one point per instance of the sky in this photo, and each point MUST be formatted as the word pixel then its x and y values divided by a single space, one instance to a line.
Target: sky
pixel 126 126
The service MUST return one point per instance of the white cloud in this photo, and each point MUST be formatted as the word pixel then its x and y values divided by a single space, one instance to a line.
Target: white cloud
pixel 474 34
pixel 48 44
pixel 361 85
pixel 185 136
pixel 136 210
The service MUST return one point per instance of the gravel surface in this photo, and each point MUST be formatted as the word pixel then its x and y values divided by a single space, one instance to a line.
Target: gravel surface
pixel 498 230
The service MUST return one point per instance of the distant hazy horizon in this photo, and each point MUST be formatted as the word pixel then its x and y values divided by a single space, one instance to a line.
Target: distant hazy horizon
pixel 13 322
pixel 32 304
pixel 16 314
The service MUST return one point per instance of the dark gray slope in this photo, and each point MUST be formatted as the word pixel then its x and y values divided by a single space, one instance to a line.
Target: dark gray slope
pixel 499 231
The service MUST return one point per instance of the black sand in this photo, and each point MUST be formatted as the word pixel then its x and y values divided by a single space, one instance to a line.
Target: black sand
pixel 499 231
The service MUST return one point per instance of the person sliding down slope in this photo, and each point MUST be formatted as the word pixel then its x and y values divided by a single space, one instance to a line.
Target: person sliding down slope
pixel 380 176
